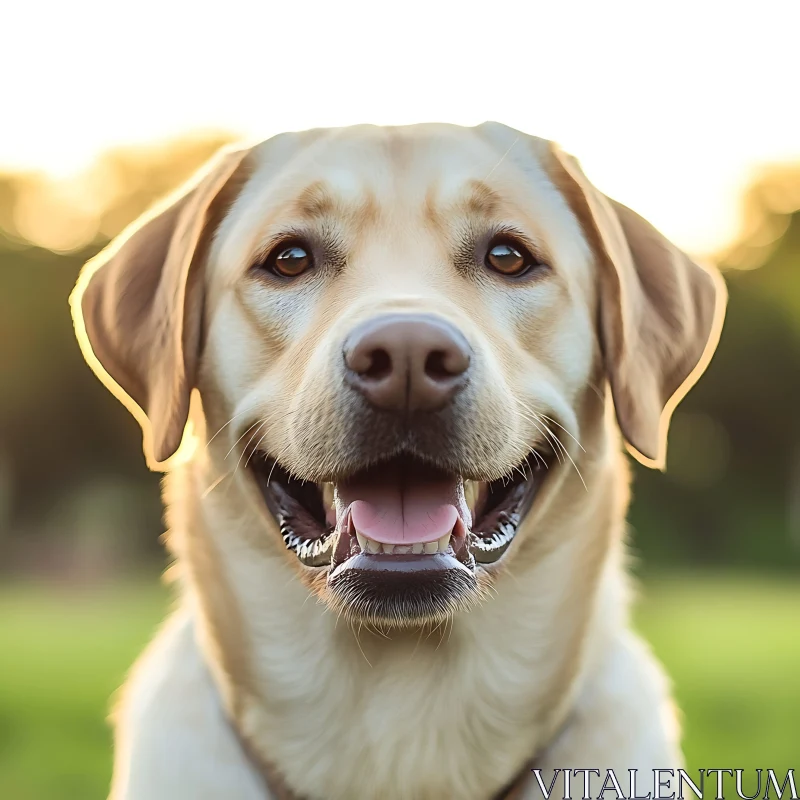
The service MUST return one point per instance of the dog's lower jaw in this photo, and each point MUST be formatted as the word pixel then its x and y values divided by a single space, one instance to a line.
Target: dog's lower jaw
pixel 456 712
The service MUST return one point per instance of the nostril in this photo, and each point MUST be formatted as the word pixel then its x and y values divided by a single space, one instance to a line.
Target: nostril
pixel 380 365
pixel 443 364
pixel 436 365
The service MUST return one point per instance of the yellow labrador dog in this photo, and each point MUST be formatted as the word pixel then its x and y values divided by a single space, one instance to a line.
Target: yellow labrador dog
pixel 405 356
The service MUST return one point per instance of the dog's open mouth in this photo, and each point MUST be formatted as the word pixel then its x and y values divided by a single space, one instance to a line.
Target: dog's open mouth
pixel 400 540
pixel 398 509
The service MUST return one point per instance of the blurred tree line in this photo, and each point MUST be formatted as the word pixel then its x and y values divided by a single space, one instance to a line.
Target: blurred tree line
pixel 731 493
pixel 76 498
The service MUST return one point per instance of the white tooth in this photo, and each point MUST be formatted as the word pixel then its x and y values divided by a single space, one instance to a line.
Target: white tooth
pixel 431 547
pixel 327 495
pixel 388 548
pixel 471 494
pixel 402 549
pixel 362 541
pixel 374 547
pixel 417 548
pixel 444 542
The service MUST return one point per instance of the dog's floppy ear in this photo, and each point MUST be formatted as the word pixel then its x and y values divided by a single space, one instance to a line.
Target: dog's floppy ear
pixel 138 307
pixel 660 313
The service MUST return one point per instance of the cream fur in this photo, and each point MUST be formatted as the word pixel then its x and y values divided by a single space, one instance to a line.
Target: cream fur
pixel 547 668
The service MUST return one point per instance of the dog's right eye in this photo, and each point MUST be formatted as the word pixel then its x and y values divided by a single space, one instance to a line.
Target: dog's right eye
pixel 288 260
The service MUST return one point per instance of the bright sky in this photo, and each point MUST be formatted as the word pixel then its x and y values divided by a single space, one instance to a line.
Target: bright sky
pixel 671 106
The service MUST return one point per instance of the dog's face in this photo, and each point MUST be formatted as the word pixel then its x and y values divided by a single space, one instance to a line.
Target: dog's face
pixel 396 331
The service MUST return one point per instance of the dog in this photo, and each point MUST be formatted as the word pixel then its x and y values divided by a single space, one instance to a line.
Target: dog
pixel 391 374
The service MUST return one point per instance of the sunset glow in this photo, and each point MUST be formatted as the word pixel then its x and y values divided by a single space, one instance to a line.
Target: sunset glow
pixel 672 109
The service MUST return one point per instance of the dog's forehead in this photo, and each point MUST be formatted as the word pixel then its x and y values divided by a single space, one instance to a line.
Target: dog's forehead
pixel 417 164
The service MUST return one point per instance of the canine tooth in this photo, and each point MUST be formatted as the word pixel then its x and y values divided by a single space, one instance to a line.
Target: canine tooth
pixel 471 494
pixel 388 548
pixel 431 547
pixel 417 548
pixel 327 495
pixel 362 541
pixel 444 542
pixel 374 547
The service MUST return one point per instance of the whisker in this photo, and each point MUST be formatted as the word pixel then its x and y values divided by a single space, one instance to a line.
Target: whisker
pixel 233 446
pixel 249 442
pixel 214 485
pixel 540 460
pixel 571 436
pixel 358 642
pixel 560 449
pixel 566 453
pixel 235 416
pixel 502 158
pixel 548 435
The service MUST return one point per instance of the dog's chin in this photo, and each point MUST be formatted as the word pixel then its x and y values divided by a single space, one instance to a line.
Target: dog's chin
pixel 400 543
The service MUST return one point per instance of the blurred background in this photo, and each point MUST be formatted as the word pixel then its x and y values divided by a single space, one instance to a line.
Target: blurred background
pixel 687 114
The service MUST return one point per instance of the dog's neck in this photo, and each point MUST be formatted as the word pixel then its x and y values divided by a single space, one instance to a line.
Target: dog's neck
pixel 455 712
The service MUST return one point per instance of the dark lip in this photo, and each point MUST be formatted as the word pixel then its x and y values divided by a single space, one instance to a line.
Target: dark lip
pixel 311 538
pixel 406 564
pixel 391 591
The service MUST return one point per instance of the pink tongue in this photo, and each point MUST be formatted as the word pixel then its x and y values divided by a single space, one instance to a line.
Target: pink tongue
pixel 403 509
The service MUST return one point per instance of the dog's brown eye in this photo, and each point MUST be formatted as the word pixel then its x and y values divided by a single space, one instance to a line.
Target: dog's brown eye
pixel 508 259
pixel 289 262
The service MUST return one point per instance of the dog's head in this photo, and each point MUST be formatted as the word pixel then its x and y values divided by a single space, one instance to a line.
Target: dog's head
pixel 397 330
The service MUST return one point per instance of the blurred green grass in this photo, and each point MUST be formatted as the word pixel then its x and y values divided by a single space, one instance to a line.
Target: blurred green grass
pixel 731 645
pixel 62 657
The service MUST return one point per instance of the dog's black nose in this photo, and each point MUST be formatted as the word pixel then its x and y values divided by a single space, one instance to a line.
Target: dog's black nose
pixel 405 362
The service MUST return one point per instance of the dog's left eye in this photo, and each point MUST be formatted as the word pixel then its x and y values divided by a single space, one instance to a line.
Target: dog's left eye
pixel 509 258
pixel 289 261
